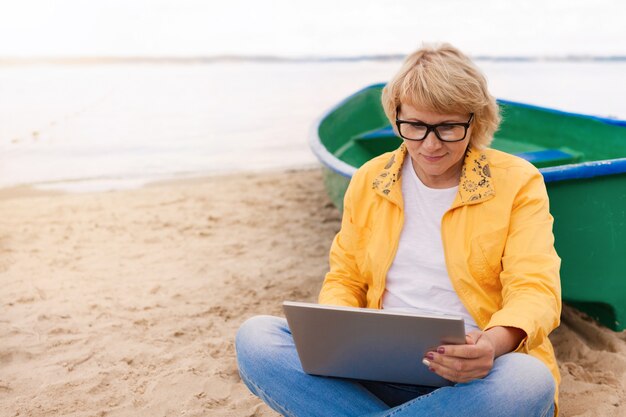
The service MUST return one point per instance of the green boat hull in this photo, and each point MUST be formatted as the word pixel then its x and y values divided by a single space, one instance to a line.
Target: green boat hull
pixel 582 158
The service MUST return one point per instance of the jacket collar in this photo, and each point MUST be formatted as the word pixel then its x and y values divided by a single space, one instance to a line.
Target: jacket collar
pixel 475 184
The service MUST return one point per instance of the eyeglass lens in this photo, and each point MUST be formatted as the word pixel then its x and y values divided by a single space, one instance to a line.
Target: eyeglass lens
pixel 418 132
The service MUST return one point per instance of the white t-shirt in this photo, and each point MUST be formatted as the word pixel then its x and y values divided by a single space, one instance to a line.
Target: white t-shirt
pixel 418 279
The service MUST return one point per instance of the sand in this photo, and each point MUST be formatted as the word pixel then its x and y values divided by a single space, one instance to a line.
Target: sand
pixel 126 303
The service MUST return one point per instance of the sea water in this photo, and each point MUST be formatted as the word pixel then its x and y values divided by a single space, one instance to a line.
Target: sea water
pixel 114 125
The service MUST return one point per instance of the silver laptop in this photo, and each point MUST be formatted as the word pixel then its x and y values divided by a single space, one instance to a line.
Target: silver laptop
pixel 369 344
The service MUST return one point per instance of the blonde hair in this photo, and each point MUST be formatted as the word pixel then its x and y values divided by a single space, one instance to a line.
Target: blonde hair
pixel 444 80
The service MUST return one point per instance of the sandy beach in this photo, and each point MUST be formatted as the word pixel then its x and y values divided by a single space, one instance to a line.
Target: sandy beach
pixel 126 303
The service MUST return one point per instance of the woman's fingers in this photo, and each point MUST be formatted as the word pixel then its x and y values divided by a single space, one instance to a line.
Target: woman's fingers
pixel 459 372
pixel 462 351
pixel 462 363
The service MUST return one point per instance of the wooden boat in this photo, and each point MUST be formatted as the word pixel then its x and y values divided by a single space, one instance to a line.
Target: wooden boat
pixel 582 159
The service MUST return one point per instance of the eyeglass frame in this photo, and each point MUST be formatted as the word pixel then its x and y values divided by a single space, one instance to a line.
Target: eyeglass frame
pixel 433 128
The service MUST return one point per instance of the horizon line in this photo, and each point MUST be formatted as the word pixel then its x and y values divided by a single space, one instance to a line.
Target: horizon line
pixel 207 59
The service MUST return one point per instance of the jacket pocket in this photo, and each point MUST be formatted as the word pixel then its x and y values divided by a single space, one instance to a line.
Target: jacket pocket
pixel 486 256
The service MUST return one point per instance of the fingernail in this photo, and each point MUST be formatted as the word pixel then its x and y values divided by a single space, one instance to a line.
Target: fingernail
pixel 426 362
pixel 430 356
pixel 431 369
pixel 441 350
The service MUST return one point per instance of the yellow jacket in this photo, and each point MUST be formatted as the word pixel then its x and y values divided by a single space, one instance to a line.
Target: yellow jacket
pixel 497 239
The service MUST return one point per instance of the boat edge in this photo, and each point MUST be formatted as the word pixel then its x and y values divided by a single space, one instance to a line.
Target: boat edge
pixel 551 174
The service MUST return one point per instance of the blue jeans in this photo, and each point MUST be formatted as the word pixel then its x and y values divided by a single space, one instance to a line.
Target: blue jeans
pixel 518 384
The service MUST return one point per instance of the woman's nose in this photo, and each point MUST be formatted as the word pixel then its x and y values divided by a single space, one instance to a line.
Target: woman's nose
pixel 431 141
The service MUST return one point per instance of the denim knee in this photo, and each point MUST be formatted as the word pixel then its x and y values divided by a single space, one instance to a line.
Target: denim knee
pixel 251 329
pixel 528 378
pixel 256 340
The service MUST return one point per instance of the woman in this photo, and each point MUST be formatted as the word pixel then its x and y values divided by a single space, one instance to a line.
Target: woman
pixel 442 225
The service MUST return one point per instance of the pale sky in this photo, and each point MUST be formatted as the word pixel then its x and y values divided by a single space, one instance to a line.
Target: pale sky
pixel 301 28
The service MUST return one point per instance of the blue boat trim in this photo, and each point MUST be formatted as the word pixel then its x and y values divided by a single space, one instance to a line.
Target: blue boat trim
pixel 382 133
pixel 552 174
pixel 584 170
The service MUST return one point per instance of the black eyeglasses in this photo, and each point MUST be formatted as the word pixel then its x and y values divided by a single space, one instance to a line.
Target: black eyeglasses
pixel 446 132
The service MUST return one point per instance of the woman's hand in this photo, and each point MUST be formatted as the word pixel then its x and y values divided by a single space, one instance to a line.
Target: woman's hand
pixel 463 363
pixel 473 360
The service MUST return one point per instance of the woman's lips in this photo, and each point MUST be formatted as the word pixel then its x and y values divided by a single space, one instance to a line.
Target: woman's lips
pixel 432 158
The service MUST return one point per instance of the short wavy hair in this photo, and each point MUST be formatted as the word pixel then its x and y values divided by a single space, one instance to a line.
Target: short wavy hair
pixel 442 79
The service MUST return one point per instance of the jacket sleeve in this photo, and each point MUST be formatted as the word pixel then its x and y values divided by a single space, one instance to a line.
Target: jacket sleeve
pixel 343 284
pixel 531 287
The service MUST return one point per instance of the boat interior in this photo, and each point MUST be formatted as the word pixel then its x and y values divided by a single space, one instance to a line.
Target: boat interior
pixel 358 130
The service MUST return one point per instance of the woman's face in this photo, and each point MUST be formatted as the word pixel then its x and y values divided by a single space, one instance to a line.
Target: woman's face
pixel 438 164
